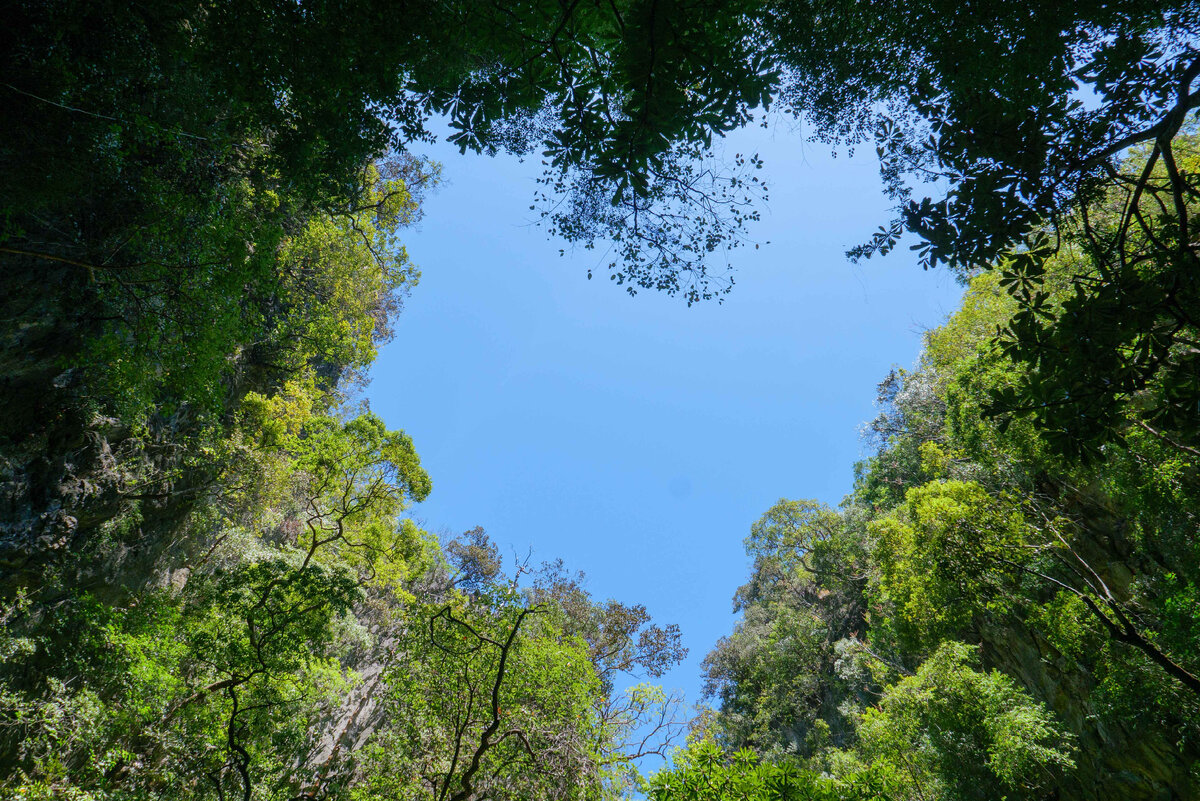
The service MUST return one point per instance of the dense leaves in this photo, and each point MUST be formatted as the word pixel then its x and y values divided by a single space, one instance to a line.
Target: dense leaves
pixel 980 613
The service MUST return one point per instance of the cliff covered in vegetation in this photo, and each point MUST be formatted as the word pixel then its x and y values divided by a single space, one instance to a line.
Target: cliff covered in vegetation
pixel 980 617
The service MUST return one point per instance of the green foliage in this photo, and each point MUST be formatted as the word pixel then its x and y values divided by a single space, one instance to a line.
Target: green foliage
pixel 767 675
pixel 620 638
pixel 491 703
pixel 192 149
pixel 1075 581
pixel 1100 318
pixel 703 772
pixel 951 731
pixel 784 670
pixel 942 558
pixel 508 691
pixel 243 610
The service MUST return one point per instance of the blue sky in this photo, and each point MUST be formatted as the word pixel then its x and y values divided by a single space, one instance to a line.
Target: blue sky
pixel 637 438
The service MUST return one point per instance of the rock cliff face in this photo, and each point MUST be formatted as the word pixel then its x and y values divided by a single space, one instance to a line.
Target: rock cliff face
pixel 89 505
pixel 91 487
pixel 350 725
pixel 1130 721
pixel 1117 758
pixel 1113 761
pixel 43 428
pixel 75 481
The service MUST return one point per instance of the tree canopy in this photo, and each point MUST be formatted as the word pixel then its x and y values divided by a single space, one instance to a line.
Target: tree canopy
pixel 1004 132
pixel 208 583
